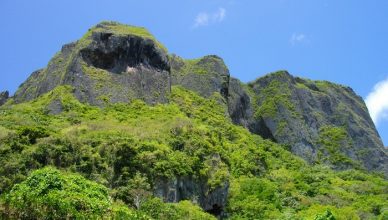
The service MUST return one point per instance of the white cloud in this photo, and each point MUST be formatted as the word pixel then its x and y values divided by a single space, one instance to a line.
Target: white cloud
pixel 377 101
pixel 297 38
pixel 219 15
pixel 202 19
pixel 205 18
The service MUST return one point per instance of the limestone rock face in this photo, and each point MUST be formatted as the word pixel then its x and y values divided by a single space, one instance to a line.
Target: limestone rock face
pixel 4 97
pixel 318 120
pixel 205 76
pixel 111 63
pixel 185 188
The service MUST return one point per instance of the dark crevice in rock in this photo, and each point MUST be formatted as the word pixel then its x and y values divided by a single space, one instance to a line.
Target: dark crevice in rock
pixel 118 53
pixel 260 128
pixel 216 210
pixel 99 59
pixel 187 188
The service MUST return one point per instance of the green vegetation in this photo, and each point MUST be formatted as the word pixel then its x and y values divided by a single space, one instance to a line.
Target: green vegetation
pixel 203 65
pixel 182 210
pixel 50 194
pixel 121 29
pixel 47 193
pixel 122 151
pixel 275 102
pixel 273 98
pixel 100 75
pixel 334 140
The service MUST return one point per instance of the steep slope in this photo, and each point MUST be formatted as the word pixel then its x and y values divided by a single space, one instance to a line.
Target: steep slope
pixel 117 109
pixel 319 121
pixel 111 63
pixel 187 149
pixel 205 75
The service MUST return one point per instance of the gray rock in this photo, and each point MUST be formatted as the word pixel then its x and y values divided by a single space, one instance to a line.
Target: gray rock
pixel 186 188
pixel 205 76
pixel 212 199
pixel 319 121
pixel 241 109
pixel 111 63
pixel 4 96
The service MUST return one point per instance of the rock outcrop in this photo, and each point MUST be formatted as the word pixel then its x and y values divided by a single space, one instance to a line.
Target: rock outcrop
pixel 4 96
pixel 185 188
pixel 205 76
pixel 318 120
pixel 111 63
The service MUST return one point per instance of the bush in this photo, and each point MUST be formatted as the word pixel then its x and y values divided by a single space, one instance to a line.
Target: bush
pixel 48 193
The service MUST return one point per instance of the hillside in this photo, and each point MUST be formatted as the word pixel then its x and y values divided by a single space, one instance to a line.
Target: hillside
pixel 116 128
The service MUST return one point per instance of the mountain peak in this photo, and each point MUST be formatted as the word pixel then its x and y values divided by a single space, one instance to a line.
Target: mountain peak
pixel 111 63
pixel 119 29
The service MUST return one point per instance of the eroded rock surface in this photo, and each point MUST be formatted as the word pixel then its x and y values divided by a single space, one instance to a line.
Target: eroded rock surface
pixel 4 96
pixel 111 63
pixel 205 75
pixel 319 121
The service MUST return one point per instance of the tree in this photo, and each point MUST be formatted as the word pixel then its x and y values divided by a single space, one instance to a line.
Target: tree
pixel 327 215
pixel 139 189
pixel 136 191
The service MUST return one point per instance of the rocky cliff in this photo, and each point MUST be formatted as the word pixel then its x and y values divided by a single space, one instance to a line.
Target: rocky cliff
pixel 205 75
pixel 319 121
pixel 111 63
pixel 4 97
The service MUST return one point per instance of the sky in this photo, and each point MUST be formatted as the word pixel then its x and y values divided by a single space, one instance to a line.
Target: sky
pixel 340 41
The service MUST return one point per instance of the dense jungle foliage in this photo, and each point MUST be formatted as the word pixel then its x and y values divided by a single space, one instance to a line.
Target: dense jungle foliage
pixel 104 163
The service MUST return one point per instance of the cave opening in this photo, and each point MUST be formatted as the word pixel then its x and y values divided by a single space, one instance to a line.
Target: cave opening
pixel 216 210
pixel 260 128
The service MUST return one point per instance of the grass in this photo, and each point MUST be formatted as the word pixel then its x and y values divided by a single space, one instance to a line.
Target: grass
pixel 123 30
pixel 202 66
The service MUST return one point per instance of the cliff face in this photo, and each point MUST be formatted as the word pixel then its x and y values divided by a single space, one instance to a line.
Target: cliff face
pixel 319 121
pixel 4 97
pixel 205 76
pixel 111 63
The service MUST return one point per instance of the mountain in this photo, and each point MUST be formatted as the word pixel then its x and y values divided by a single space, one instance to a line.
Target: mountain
pixel 318 120
pixel 139 63
pixel 162 137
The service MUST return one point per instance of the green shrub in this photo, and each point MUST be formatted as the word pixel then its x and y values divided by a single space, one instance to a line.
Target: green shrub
pixel 50 194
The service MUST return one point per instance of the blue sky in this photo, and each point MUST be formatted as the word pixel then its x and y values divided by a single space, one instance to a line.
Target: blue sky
pixel 340 41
